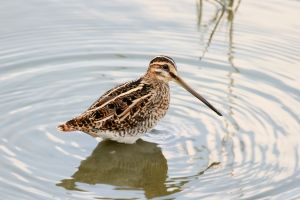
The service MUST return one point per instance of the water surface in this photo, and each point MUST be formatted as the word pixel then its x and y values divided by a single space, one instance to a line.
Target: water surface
pixel 57 57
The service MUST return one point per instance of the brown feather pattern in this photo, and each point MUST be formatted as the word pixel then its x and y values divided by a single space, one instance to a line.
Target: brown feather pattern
pixel 127 110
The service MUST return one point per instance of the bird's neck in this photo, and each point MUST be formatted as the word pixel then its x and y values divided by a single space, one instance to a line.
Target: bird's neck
pixel 153 79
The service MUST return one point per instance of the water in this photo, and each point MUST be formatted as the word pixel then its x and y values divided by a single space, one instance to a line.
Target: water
pixel 57 57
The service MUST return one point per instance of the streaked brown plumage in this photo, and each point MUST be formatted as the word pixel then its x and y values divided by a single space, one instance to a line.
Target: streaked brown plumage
pixel 127 111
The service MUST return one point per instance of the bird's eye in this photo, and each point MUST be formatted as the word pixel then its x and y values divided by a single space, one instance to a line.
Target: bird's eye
pixel 166 67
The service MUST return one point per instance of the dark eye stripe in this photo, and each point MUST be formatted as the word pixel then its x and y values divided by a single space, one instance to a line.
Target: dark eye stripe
pixel 165 67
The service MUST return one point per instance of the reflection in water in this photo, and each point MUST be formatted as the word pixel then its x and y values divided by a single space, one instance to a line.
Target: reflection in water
pixel 139 166
pixel 230 18
pixel 215 20
pixel 226 6
pixel 129 166
pixel 230 126
pixel 229 7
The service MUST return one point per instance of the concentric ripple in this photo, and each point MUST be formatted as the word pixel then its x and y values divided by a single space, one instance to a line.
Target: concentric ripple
pixel 65 55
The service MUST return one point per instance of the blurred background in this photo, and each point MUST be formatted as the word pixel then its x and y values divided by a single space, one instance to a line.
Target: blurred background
pixel 57 57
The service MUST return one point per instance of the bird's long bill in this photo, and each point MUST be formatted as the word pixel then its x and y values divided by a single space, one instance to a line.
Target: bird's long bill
pixel 193 92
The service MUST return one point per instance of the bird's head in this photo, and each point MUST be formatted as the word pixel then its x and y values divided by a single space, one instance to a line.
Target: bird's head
pixel 164 68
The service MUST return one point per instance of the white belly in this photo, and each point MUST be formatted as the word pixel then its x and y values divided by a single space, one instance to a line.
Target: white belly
pixel 128 139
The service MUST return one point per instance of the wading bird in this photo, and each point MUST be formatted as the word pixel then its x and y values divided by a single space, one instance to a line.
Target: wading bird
pixel 129 110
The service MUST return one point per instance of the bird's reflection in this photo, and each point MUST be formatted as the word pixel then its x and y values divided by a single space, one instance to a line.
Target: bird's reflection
pixel 141 165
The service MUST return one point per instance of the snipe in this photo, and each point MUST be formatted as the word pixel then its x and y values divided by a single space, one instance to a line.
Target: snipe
pixel 127 111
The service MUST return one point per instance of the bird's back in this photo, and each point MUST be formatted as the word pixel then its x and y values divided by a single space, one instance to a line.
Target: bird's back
pixel 129 109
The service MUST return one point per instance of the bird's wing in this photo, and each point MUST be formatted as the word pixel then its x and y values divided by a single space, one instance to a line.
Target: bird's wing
pixel 110 94
pixel 113 110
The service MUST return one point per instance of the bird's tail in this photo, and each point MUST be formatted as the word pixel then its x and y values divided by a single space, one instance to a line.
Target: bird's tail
pixel 67 127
